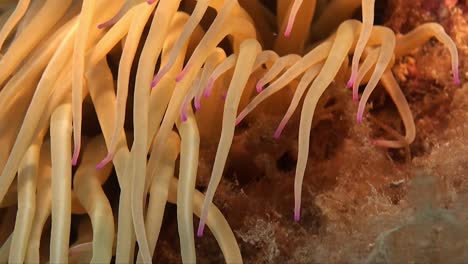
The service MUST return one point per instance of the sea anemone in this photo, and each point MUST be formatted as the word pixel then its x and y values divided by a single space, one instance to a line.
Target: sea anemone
pixel 57 66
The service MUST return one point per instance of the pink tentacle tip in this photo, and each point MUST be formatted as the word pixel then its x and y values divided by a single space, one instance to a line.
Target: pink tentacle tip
pixel 159 76
pixel 239 119
pixel 110 22
pixel 150 1
pixel 183 116
pixel 104 162
pixel 259 87
pixel 278 131
pixel 456 77
pixel 359 118
pixel 209 87
pixel 156 80
pixel 351 81
pixel 288 30
pixel 355 97
pixel 277 134
pixel 76 154
pixel 183 73
pixel 297 215
pixel 201 228
pixel 102 25
pixel 197 104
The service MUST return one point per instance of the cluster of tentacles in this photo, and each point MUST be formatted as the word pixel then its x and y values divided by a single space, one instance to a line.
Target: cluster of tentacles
pixel 54 67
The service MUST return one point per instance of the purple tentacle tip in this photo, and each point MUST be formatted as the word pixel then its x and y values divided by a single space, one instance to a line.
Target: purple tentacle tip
pixel 297 215
pixel 201 228
pixel 183 116
pixel 156 80
pixel 182 73
pixel 159 76
pixel 209 87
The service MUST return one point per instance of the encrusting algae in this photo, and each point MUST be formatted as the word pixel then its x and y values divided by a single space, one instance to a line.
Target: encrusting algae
pixel 55 65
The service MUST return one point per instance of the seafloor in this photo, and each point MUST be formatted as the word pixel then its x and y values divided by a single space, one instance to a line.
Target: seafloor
pixel 361 203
